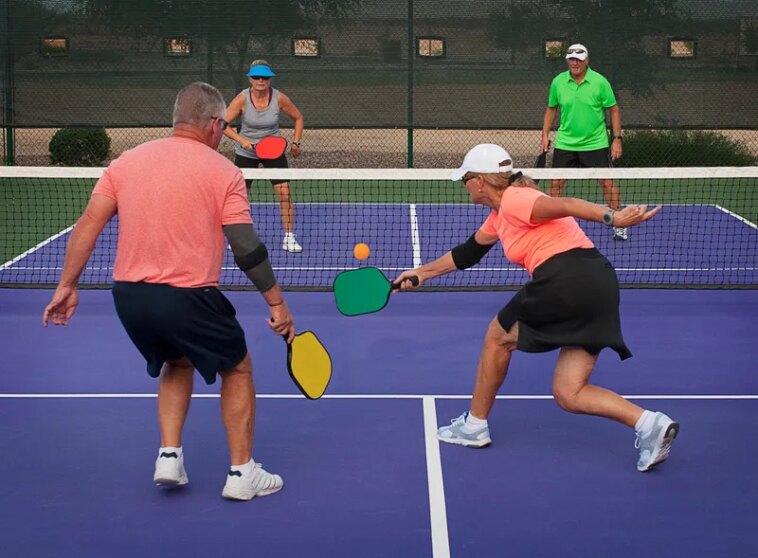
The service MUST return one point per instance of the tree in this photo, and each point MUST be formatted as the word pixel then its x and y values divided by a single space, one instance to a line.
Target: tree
pixel 750 41
pixel 29 21
pixel 513 26
pixel 228 26
pixel 614 30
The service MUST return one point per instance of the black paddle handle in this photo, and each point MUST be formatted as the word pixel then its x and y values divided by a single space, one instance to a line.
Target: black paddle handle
pixel 413 279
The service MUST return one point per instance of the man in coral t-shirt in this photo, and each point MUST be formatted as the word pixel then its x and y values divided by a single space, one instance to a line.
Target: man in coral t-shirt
pixel 176 199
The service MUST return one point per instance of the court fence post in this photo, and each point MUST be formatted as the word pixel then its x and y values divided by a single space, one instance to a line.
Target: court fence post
pixel 411 55
pixel 9 133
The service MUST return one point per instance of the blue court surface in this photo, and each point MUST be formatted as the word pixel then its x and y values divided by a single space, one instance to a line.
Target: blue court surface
pixel 364 475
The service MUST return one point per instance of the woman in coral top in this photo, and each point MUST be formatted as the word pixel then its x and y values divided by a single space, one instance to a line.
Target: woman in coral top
pixel 571 302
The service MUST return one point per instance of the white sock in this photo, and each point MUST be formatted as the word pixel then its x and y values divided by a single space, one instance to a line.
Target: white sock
pixel 170 450
pixel 246 469
pixel 473 423
pixel 645 422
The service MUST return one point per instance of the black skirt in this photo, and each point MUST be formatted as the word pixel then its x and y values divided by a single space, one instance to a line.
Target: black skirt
pixel 571 301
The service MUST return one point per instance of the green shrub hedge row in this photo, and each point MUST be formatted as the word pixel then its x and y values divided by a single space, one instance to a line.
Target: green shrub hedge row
pixel 80 147
pixel 683 148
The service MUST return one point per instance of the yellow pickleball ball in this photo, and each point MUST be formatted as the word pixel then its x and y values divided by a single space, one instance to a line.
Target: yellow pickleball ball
pixel 361 251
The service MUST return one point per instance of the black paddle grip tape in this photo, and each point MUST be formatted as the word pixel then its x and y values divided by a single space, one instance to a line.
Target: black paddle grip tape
pixel 413 279
pixel 469 253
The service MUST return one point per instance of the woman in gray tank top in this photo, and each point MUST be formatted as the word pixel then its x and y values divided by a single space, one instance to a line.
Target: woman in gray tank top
pixel 258 108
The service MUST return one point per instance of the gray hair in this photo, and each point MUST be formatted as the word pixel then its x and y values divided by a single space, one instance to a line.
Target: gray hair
pixel 198 103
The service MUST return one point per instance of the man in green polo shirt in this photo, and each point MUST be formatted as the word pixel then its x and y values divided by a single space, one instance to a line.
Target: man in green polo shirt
pixel 583 96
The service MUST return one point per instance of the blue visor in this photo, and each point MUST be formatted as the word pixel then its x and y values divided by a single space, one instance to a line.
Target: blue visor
pixel 260 70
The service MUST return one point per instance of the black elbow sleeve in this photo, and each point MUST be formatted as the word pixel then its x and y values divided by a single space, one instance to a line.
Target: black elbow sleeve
pixel 469 253
pixel 253 259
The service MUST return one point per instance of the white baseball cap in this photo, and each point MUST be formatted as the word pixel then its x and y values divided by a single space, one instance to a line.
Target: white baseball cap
pixel 484 158
pixel 577 51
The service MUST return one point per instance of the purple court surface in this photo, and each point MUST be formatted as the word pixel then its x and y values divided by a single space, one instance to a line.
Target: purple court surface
pixel 364 475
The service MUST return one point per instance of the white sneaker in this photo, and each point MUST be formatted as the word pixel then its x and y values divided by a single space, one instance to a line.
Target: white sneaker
pixel 458 433
pixel 655 445
pixel 620 233
pixel 260 483
pixel 169 469
pixel 290 244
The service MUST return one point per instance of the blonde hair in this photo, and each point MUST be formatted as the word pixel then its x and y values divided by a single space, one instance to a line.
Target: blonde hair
pixel 497 180
pixel 501 180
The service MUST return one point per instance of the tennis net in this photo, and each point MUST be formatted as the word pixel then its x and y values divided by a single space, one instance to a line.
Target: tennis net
pixel 705 236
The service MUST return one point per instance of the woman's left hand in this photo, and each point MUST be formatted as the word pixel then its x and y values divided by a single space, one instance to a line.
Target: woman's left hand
pixel 295 150
pixel 633 215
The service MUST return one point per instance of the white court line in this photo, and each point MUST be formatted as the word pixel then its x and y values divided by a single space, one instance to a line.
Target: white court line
pixel 359 396
pixel 437 507
pixel 415 238
pixel 37 247
pixel 738 217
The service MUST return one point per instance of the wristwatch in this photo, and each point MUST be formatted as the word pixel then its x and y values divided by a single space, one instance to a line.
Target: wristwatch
pixel 296 143
pixel 618 138
pixel 608 217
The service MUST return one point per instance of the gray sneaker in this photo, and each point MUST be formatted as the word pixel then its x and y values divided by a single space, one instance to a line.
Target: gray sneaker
pixel 620 233
pixel 458 433
pixel 655 447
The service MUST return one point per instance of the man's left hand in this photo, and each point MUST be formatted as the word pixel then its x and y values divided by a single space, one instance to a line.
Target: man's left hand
pixel 616 149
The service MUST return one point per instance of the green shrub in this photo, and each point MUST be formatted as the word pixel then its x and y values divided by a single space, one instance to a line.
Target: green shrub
pixel 683 148
pixel 80 147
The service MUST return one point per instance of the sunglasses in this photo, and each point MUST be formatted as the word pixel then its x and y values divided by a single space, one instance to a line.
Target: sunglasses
pixel 265 78
pixel 576 51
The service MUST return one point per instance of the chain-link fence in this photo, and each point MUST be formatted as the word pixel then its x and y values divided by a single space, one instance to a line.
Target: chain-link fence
pixel 386 83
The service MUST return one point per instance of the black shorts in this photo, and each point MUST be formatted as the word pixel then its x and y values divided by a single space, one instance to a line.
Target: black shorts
pixel 597 158
pixel 571 301
pixel 250 163
pixel 168 323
